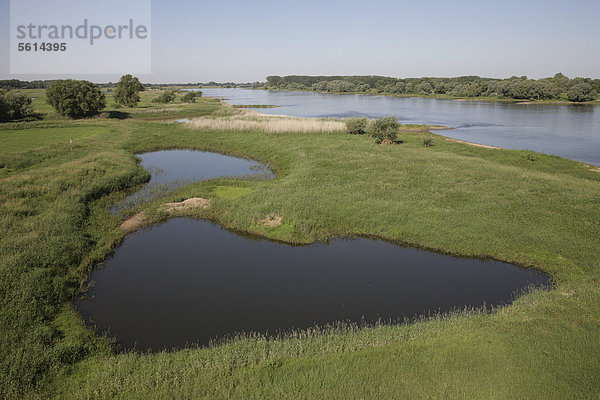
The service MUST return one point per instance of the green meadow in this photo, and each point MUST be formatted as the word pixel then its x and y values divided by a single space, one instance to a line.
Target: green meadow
pixel 535 210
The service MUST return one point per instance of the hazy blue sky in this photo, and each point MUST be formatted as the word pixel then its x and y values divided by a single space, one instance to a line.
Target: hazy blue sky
pixel 199 41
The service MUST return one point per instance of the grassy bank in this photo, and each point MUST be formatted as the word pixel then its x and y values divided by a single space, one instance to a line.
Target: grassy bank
pixel 539 211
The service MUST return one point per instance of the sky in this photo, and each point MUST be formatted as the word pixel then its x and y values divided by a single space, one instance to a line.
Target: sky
pixel 245 41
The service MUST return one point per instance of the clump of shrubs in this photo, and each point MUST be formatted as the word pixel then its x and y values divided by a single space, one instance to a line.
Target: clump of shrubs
pixel 168 96
pixel 14 105
pixel 357 126
pixel 529 156
pixel 427 141
pixel 384 130
pixel 190 97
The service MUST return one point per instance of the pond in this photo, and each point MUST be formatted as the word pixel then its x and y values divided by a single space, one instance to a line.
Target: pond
pixel 173 169
pixel 570 131
pixel 189 281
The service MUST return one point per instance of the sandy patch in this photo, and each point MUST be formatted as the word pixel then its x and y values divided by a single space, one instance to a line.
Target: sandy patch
pixel 133 223
pixel 471 143
pixel 189 204
pixel 592 168
pixel 272 220
pixel 139 220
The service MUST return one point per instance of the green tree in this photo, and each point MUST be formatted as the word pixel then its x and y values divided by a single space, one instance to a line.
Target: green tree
pixel 14 105
pixel 75 99
pixel 127 93
pixel 561 81
pixel 424 88
pixel 581 92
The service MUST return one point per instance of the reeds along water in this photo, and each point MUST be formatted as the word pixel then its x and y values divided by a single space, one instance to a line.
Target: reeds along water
pixel 270 123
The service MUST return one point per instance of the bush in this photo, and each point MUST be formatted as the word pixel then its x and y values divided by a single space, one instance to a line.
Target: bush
pixel 168 96
pixel 127 93
pixel 75 99
pixel 14 105
pixel 190 97
pixel 427 141
pixel 357 126
pixel 384 129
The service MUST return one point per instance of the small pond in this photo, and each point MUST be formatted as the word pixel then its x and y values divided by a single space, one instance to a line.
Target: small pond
pixel 188 281
pixel 173 169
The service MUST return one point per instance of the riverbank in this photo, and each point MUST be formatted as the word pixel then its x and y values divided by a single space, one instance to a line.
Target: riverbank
pixel 449 97
pixel 522 207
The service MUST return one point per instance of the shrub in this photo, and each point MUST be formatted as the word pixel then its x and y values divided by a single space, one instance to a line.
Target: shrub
pixel 14 105
pixel 427 141
pixel 529 156
pixel 168 96
pixel 190 97
pixel 75 99
pixel 357 126
pixel 384 129
pixel 127 93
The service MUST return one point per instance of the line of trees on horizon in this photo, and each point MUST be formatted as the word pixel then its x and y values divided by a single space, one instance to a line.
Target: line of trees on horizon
pixel 557 87
pixel 8 84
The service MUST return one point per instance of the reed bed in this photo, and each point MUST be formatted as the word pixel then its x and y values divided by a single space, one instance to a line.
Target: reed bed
pixel 268 123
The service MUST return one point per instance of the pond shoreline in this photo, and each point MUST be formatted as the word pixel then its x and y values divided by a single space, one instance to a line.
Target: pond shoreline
pixel 292 279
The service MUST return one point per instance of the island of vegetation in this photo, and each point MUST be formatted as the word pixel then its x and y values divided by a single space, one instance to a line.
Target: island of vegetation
pixel 554 89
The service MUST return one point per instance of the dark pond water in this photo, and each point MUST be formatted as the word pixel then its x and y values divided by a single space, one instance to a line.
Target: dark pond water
pixel 187 281
pixel 569 131
pixel 172 169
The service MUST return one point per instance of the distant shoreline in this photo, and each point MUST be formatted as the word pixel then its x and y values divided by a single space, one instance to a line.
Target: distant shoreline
pixel 448 97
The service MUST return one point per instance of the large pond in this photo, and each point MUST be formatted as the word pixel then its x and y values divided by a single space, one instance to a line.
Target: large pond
pixel 189 281
pixel 172 169
pixel 571 131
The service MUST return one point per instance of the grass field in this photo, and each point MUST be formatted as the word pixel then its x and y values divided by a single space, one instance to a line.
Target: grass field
pixel 451 197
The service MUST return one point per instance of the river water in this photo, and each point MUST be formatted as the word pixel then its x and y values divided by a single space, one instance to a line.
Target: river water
pixel 570 131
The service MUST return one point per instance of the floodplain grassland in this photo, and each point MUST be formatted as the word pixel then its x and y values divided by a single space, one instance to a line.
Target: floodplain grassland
pixel 535 210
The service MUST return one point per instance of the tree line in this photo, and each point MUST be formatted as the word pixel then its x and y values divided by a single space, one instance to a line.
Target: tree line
pixel 554 88
pixel 79 98
pixel 7 84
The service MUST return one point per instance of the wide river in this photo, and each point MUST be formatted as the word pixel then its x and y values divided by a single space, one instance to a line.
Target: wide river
pixel 570 131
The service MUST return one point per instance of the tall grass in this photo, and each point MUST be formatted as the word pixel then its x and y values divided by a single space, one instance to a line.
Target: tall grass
pixel 267 123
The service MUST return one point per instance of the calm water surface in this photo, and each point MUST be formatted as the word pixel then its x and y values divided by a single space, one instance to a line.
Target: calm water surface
pixel 569 131
pixel 188 281
pixel 172 169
